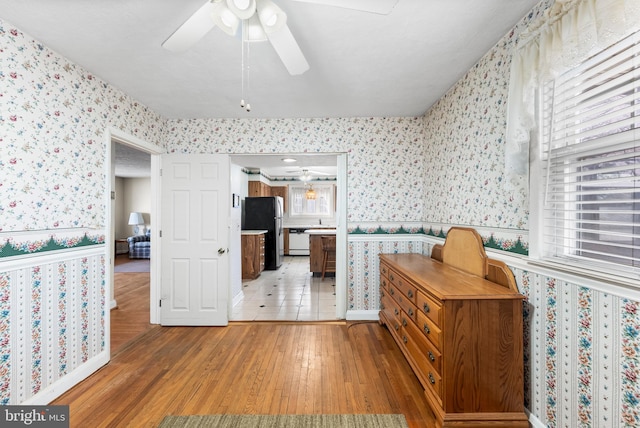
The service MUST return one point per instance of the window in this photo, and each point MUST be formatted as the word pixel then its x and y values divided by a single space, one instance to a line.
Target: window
pixel 322 205
pixel 591 162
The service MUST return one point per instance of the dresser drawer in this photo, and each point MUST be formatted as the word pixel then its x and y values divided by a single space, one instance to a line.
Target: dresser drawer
pixel 404 286
pixel 384 282
pixel 430 330
pixel 428 374
pixel 405 304
pixel 430 307
pixel 384 269
pixel 427 349
pixel 391 311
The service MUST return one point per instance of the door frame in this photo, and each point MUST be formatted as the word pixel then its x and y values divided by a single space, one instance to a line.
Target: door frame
pixel 341 230
pixel 112 136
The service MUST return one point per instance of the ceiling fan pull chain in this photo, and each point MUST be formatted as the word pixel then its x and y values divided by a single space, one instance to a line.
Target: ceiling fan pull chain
pixel 242 103
pixel 248 70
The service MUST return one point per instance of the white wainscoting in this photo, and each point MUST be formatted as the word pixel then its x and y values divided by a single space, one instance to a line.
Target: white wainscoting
pixel 53 322
pixel 581 338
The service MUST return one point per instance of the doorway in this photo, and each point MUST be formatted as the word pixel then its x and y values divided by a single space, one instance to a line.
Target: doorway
pixel 291 292
pixel 134 154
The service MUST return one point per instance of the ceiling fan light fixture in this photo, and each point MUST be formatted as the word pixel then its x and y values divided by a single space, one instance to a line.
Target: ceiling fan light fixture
pixel 225 19
pixel 271 16
pixel 243 9
pixel 255 32
pixel 305 176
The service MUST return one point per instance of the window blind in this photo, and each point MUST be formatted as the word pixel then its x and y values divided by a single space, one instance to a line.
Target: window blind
pixel 591 152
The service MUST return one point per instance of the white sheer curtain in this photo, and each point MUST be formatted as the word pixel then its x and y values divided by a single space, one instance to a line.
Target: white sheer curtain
pixel 569 32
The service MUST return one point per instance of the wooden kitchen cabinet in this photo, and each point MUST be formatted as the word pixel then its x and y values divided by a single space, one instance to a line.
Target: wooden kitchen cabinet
pixel 282 192
pixel 253 252
pixel 258 188
pixel 461 333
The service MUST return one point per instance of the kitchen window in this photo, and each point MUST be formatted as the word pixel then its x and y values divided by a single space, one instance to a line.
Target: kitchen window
pixel 322 205
pixel 590 159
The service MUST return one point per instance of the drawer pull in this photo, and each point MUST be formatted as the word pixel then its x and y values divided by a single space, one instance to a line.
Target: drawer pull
pixel 410 294
pixel 431 357
pixel 392 292
pixel 382 306
pixel 404 322
pixel 404 339
pixel 396 326
pixel 384 283
pixel 396 311
pixel 432 379
pixel 426 308
pixel 427 329
pixel 391 277
pixel 410 312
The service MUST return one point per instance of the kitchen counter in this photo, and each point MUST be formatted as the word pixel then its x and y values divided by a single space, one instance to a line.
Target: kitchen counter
pixel 316 254
pixel 252 232
pixel 309 226
pixel 320 231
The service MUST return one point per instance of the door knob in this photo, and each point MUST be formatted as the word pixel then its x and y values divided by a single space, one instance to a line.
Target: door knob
pixel 221 251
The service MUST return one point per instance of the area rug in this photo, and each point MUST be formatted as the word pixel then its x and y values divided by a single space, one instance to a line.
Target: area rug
pixel 285 421
pixel 135 265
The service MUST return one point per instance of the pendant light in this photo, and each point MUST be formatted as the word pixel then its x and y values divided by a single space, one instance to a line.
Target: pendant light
pixel 310 193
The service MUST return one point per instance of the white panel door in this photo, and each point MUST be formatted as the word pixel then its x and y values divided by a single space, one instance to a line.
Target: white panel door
pixel 195 240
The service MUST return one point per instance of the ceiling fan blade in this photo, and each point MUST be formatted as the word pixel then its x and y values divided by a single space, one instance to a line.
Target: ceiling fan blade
pixel 318 172
pixel 382 7
pixel 288 50
pixel 193 29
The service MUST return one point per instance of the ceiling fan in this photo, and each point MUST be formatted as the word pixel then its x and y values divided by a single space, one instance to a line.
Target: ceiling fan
pixel 261 20
pixel 307 174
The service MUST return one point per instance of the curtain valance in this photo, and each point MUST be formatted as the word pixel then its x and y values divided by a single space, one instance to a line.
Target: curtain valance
pixel 569 32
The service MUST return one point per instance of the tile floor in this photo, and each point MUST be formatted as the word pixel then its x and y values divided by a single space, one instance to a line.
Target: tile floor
pixel 290 293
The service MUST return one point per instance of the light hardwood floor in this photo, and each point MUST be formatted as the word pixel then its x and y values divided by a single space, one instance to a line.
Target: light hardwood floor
pixel 248 368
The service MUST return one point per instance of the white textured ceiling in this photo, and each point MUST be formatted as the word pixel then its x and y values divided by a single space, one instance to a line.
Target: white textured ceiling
pixel 362 64
pixel 131 163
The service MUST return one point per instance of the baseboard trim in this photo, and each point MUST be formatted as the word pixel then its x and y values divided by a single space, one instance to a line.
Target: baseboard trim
pixel 533 420
pixel 368 315
pixel 70 380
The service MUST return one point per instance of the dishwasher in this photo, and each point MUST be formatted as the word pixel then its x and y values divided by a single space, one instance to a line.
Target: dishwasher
pixel 298 242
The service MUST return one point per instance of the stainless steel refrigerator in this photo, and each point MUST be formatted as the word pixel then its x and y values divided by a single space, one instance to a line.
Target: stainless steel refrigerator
pixel 265 213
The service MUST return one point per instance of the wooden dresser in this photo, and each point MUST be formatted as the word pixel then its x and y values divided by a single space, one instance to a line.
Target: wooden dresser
pixel 458 321
pixel 253 253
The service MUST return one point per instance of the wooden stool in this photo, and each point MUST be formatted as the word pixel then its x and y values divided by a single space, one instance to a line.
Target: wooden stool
pixel 328 254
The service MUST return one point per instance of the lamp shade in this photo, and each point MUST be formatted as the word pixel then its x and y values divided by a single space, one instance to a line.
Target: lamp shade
pixel 135 219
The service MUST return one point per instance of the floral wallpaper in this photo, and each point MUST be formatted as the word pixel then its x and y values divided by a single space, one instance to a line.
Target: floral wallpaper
pixel 582 345
pixel 52 118
pixel 464 160
pixel 53 115
pixel 418 175
pixel 582 350
pixel 385 171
